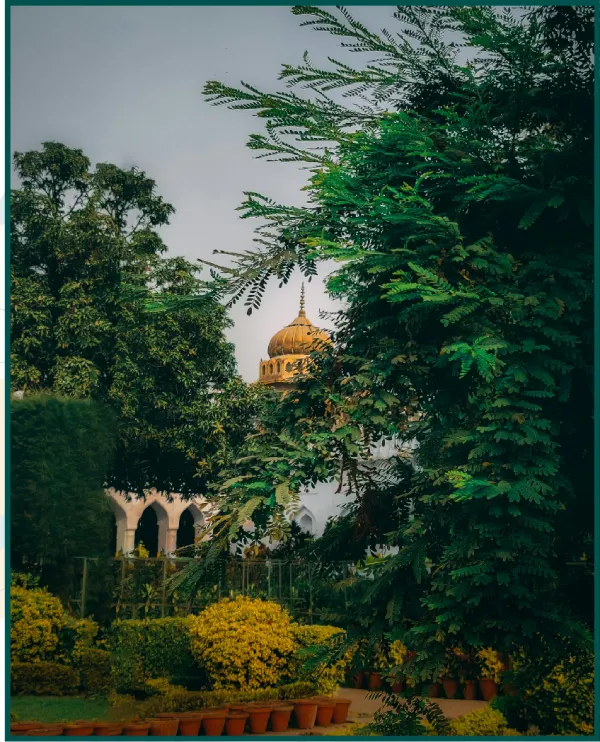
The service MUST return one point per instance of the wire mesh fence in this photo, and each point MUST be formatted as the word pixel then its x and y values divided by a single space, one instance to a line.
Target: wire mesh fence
pixel 133 587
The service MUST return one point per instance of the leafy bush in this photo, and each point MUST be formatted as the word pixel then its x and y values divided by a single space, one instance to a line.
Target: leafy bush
pixel 243 643
pixel 61 452
pixel 488 722
pixel 153 648
pixel 43 679
pixel 94 666
pixel 491 665
pixel 317 656
pixel 36 620
pixel 406 717
pixel 554 695
pixel 75 635
pixel 176 699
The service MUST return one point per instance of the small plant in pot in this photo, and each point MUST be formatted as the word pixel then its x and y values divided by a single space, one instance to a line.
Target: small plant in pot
pixel 398 655
pixel 380 664
pixel 491 672
pixel 468 672
pixel 451 673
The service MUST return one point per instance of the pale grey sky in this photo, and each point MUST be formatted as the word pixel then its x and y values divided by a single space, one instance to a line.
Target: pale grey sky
pixel 124 84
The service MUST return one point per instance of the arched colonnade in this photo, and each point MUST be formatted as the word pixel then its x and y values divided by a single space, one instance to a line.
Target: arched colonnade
pixel 131 518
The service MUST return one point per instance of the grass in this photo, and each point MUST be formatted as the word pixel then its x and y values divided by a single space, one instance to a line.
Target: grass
pixel 49 709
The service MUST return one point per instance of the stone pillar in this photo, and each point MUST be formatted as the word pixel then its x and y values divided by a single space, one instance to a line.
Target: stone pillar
pixel 128 541
pixel 171 541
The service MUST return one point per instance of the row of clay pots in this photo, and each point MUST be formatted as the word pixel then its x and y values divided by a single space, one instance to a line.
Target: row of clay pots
pixel 234 721
pixel 487 687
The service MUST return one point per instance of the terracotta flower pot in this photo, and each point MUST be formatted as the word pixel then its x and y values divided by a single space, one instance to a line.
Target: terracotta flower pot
pixel 398 686
pixel 434 690
pixel 189 724
pixel 241 708
pixel 163 727
pixel 213 723
pixel 340 714
pixel 509 689
pixel 489 688
pixel 305 713
pixel 20 727
pixel 375 681
pixel 43 732
pixel 470 690
pixel 136 729
pixel 235 723
pixel 325 711
pixel 79 729
pixel 57 728
pixel 280 718
pixel 259 718
pixel 108 729
pixel 450 686
pixel 359 679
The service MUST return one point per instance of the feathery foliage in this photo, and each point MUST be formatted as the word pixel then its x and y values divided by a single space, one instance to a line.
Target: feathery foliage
pixel 454 185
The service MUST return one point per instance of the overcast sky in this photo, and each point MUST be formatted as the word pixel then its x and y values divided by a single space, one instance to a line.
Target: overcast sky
pixel 124 84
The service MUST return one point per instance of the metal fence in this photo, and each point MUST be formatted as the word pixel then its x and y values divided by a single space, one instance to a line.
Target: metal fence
pixel 132 587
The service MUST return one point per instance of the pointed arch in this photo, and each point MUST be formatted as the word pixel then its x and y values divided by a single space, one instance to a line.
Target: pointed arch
pixel 191 521
pixel 306 520
pixel 152 528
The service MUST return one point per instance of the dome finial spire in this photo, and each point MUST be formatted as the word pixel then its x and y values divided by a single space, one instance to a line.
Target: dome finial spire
pixel 302 312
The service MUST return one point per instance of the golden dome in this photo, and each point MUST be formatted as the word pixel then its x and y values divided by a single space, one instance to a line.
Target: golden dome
pixel 299 338
pixel 289 349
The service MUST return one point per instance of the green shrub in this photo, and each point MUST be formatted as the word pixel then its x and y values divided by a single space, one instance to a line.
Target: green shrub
pixel 554 695
pixel 95 670
pixel 488 722
pixel 185 700
pixel 317 646
pixel 76 634
pixel 153 648
pixel 43 679
pixel 61 450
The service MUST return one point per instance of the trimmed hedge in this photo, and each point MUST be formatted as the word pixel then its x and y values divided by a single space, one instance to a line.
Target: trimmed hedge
pixel 43 679
pixel 176 699
pixel 154 648
pixel 95 671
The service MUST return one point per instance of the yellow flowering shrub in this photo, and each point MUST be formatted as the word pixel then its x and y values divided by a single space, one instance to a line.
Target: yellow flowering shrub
pixel 398 652
pixel 555 696
pixel 243 643
pixel 36 620
pixel 328 677
pixel 485 723
pixel 491 664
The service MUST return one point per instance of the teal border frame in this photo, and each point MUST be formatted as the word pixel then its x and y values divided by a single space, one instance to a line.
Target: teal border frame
pixel 183 3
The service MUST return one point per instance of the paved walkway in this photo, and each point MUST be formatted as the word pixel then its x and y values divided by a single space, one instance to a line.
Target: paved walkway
pixel 363 708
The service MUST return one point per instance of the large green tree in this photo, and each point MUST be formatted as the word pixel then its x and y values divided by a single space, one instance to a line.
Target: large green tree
pixel 98 310
pixel 61 450
pixel 457 192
